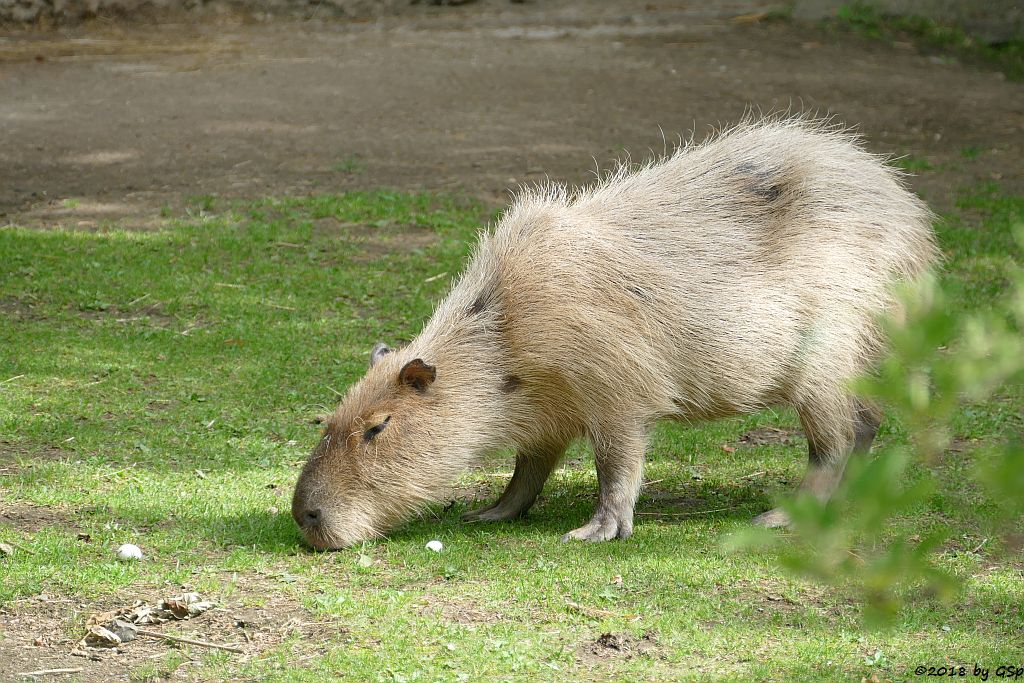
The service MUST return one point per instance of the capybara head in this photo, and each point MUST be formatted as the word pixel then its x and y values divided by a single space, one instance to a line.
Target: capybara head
pixel 372 464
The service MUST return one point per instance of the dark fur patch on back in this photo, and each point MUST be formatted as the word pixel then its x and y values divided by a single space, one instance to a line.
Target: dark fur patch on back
pixel 510 384
pixel 488 298
pixel 479 305
pixel 768 193
pixel 764 183
pixel 484 299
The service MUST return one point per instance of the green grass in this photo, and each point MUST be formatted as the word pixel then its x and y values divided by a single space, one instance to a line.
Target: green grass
pixel 868 20
pixel 351 165
pixel 159 387
pixel 912 164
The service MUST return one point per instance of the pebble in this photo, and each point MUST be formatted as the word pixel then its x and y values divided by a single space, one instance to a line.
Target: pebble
pixel 129 552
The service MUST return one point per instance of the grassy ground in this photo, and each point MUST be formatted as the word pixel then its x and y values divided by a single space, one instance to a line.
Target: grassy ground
pixel 946 40
pixel 159 388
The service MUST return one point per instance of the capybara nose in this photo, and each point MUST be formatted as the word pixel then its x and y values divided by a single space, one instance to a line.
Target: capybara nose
pixel 311 518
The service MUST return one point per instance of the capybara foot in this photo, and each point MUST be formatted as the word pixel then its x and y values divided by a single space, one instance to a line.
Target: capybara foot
pixel 492 513
pixel 603 527
pixel 773 519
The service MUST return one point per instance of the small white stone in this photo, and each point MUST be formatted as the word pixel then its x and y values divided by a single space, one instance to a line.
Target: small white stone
pixel 129 552
pixel 436 546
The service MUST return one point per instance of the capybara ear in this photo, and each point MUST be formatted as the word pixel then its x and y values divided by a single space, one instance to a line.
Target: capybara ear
pixel 417 374
pixel 380 349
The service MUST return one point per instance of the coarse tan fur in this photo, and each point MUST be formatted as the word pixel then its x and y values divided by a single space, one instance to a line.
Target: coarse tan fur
pixel 747 271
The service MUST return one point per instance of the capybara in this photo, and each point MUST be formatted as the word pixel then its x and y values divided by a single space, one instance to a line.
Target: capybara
pixel 747 271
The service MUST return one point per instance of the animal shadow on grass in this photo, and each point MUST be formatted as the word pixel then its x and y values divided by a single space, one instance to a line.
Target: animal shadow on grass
pixel 262 529
pixel 566 506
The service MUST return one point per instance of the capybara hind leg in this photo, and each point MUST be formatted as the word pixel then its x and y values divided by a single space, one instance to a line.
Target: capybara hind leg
pixel 533 467
pixel 824 472
pixel 823 476
pixel 866 423
pixel 774 518
pixel 832 429
pixel 620 466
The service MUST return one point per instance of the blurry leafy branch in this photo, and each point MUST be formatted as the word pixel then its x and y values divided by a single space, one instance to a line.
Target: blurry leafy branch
pixel 938 363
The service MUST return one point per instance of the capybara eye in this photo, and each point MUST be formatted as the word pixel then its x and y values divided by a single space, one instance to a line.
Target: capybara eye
pixel 376 429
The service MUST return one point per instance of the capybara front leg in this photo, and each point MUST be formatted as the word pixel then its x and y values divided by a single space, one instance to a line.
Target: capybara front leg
pixel 620 466
pixel 533 467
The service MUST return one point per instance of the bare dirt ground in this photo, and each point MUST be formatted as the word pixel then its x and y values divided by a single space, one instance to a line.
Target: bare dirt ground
pixel 108 121
pixel 42 631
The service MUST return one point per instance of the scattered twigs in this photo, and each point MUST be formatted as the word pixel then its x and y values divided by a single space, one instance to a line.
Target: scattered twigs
pixel 46 672
pixel 120 626
pixel 191 328
pixel 753 475
pixel 11 379
pixel 11 544
pixel 979 546
pixel 690 514
pixel 284 308
pixel 436 277
pixel 589 611
pixel 187 641
pixel 108 475
pixel 23 548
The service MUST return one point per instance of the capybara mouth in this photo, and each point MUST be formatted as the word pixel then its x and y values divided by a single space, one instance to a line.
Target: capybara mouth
pixel 321 541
